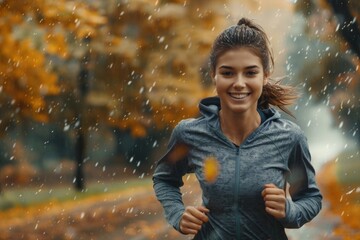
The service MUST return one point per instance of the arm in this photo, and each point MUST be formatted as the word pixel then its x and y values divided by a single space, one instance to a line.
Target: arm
pixel 167 179
pixel 305 202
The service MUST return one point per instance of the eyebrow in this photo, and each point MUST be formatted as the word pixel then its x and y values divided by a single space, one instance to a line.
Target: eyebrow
pixel 248 67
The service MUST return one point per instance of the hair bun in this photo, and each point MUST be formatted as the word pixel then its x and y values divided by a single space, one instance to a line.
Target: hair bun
pixel 244 21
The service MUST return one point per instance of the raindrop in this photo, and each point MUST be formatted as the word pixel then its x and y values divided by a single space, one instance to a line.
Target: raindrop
pixel 337 27
pixel 66 127
pixel 131 159
pixel 349 192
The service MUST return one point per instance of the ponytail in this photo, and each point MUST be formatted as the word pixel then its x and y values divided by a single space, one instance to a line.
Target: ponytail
pixel 278 95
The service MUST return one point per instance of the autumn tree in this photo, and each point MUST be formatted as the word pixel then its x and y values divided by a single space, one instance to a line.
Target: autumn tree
pixel 136 66
pixel 152 79
pixel 33 34
pixel 331 43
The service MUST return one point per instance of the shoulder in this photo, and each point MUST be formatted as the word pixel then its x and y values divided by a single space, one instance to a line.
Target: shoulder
pixel 191 123
pixel 190 127
pixel 285 128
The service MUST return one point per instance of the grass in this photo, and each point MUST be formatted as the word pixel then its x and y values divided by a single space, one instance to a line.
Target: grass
pixel 26 197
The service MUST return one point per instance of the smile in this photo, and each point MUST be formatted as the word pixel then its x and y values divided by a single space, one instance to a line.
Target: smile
pixel 239 95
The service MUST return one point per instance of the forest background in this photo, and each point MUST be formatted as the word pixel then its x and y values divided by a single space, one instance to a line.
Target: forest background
pixel 90 91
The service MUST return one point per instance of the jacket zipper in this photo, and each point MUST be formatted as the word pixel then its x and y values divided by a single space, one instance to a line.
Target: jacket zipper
pixel 237 185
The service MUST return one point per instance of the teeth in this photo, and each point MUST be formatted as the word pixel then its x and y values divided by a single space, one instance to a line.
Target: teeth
pixel 239 95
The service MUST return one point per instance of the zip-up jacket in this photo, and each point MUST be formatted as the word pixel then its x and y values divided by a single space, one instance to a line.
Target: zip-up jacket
pixel 276 152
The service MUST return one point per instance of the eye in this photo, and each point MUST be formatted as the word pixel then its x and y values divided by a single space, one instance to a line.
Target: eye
pixel 227 73
pixel 251 73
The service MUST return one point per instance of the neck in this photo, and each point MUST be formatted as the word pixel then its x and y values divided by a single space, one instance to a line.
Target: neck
pixel 237 127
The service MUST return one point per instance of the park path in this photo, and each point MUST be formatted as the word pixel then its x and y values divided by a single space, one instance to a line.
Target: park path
pixel 132 214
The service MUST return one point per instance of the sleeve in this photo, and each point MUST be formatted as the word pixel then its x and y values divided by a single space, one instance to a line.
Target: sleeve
pixel 305 201
pixel 167 178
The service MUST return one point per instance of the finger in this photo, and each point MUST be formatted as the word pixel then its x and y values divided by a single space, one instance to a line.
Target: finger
pixel 189 217
pixel 270 185
pixel 185 230
pixel 198 214
pixel 191 225
pixel 275 213
pixel 275 205
pixel 275 197
pixel 267 187
pixel 272 191
pixel 203 209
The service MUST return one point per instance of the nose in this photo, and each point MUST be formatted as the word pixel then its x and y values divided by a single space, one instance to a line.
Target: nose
pixel 239 81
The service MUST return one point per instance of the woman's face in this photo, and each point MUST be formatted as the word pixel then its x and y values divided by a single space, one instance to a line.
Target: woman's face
pixel 239 79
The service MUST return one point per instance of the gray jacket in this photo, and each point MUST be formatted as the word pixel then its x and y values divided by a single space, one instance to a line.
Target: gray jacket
pixel 276 152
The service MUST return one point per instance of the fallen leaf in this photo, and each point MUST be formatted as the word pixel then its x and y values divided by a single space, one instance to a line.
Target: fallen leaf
pixel 211 169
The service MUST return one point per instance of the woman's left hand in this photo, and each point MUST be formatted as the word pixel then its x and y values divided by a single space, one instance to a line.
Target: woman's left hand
pixel 275 200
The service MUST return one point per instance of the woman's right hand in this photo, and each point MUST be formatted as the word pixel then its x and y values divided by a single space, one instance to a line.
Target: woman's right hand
pixel 192 219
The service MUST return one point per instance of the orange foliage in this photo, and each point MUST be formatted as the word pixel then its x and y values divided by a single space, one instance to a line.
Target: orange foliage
pixel 25 73
pixel 343 202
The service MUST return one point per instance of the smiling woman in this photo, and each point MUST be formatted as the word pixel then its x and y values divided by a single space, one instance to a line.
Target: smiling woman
pixel 258 152
pixel 239 79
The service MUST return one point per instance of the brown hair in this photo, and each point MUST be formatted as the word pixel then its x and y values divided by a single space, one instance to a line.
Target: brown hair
pixel 248 34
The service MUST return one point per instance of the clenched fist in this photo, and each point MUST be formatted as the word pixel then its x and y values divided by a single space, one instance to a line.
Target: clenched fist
pixel 275 200
pixel 192 219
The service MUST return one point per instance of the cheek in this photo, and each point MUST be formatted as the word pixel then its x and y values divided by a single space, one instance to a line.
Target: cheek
pixel 220 86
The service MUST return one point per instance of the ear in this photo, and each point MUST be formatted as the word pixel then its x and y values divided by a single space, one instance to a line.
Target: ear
pixel 212 74
pixel 266 78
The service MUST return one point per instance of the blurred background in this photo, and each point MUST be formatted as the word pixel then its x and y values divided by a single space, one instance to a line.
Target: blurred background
pixel 90 91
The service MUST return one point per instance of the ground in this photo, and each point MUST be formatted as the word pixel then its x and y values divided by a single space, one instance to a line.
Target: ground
pixel 131 212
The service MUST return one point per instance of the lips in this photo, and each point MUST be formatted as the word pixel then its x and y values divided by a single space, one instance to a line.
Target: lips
pixel 239 95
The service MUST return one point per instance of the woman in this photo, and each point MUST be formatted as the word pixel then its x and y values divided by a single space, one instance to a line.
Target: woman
pixel 257 151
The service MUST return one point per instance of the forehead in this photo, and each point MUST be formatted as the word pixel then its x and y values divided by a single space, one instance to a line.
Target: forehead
pixel 239 57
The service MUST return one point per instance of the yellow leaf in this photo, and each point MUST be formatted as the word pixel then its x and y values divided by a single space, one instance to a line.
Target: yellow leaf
pixel 211 169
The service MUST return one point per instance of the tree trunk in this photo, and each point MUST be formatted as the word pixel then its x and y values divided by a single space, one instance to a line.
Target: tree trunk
pixel 80 145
